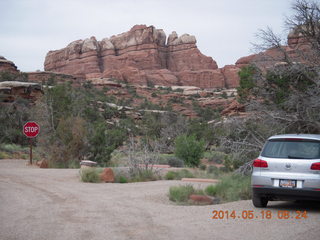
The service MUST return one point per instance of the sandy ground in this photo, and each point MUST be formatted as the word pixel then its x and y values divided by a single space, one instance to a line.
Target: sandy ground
pixel 48 204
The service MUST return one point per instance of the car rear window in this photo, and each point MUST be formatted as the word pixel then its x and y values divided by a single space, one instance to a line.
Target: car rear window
pixel 292 148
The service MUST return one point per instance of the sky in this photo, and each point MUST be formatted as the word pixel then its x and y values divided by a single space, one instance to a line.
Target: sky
pixel 224 29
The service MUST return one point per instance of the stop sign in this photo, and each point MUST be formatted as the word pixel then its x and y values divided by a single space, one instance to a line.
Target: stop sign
pixel 31 129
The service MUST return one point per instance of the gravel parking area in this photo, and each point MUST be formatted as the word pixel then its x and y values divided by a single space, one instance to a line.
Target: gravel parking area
pixel 38 204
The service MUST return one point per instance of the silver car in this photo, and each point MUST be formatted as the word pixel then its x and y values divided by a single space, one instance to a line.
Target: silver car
pixel 288 168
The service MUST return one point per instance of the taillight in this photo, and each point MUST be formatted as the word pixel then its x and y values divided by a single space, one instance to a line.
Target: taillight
pixel 260 163
pixel 315 166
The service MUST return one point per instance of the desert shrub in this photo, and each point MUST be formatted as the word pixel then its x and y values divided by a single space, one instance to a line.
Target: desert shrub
pixel 144 176
pixel 69 142
pixel 215 156
pixel 211 190
pixel 175 161
pixel 103 142
pixel 150 83
pixel 232 187
pixel 146 104
pixel 202 130
pixel 132 91
pixel 178 90
pixel 171 175
pixel 123 179
pixel 205 113
pixel 233 162
pixel 213 169
pixel 52 163
pixel 12 118
pixel 4 155
pixel 90 175
pixel 13 148
pixel 176 99
pixel 189 149
pixel 152 125
pixel 224 95
pixel 247 81
pixel 203 167
pixel 178 175
pixel 184 173
pixel 180 194
pixel 199 191
pixel 9 76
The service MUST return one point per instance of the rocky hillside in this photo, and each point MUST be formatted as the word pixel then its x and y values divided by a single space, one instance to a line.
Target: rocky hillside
pixel 140 56
pixel 297 50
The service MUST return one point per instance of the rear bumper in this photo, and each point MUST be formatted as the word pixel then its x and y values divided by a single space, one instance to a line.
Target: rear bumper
pixel 276 193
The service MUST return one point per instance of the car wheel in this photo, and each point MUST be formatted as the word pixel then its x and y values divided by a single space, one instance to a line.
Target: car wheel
pixel 258 201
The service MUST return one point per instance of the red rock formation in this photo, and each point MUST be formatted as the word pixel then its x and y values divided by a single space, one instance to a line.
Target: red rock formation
pixel 7 66
pixel 139 56
pixel 231 77
pixel 80 58
pixel 297 50
pixel 12 90
pixel 107 175
pixel 46 77
pixel 200 199
pixel 234 108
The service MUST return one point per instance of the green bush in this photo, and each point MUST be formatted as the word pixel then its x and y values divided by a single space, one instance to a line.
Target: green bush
pixel 211 190
pixel 178 90
pixel 175 161
pixel 215 156
pixel 172 160
pixel 203 167
pixel 171 175
pixel 4 155
pixel 232 162
pixel 189 149
pixel 232 187
pixel 123 179
pixel 178 175
pixel 144 176
pixel 247 82
pixel 90 175
pixel 184 173
pixel 213 169
pixel 9 76
pixel 104 141
pixel 180 194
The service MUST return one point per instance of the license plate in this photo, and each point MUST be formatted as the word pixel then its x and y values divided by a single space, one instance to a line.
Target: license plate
pixel 287 183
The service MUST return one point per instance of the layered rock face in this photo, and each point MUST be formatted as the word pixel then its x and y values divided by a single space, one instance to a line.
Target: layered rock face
pixel 48 77
pixel 7 66
pixel 142 55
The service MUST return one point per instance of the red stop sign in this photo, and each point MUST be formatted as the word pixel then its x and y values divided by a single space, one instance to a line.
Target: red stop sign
pixel 31 129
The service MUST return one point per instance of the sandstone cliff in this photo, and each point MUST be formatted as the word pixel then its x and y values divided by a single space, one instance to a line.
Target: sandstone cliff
pixel 7 66
pixel 141 55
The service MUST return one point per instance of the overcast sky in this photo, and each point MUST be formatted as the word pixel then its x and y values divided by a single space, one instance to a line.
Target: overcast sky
pixel 224 29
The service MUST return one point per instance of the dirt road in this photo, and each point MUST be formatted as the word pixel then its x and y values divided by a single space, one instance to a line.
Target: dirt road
pixel 49 204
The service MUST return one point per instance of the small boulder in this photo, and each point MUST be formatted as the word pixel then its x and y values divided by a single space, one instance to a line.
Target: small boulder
pixel 107 175
pixel 200 199
pixel 42 164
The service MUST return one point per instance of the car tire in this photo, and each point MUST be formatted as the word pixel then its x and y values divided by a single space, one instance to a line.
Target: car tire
pixel 259 202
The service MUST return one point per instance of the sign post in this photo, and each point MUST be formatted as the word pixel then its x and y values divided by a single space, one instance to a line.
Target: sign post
pixel 31 130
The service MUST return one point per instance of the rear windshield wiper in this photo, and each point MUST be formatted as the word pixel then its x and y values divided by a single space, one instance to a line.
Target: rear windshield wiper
pixel 297 157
